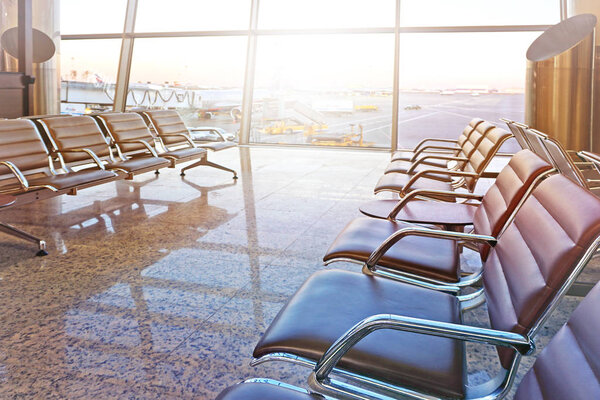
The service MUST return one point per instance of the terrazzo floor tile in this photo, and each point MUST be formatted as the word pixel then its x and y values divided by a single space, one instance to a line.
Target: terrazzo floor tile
pixel 160 287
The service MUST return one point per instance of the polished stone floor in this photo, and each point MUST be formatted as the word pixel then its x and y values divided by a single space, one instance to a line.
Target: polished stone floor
pixel 160 287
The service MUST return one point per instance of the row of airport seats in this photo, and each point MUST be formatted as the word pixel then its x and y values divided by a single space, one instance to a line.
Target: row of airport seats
pixel 47 156
pixel 581 167
pixel 396 330
pixel 458 164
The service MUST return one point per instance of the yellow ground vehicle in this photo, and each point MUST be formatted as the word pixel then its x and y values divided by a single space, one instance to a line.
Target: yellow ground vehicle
pixel 354 138
pixel 366 107
pixel 280 127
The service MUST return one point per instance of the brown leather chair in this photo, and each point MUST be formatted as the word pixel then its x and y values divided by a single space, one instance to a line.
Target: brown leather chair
pixel 517 133
pixel 27 172
pixel 594 159
pixel 466 178
pixel 468 145
pixel 534 141
pixel 26 166
pixel 79 140
pixel 566 165
pixel 425 146
pixel 395 338
pixel 133 138
pixel 432 260
pixel 36 121
pixel 173 133
pixel 567 368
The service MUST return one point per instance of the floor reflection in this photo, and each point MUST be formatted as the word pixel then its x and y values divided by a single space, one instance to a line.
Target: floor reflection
pixel 160 288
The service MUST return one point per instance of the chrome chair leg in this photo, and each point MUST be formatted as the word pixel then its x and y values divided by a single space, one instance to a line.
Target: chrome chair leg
pixel 207 163
pixel 11 230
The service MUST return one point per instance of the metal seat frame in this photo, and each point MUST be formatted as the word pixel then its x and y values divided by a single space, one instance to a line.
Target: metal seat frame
pixel 58 152
pixel 458 177
pixel 471 240
pixel 356 386
pixel 203 162
pixel 562 160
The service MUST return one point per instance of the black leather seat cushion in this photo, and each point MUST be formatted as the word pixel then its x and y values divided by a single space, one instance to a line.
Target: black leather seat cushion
pixel 426 212
pixel 331 302
pixel 423 256
pixel 402 166
pixel 397 182
pixel 73 179
pixel 140 164
pixel 263 391
pixel 217 146
pixel 403 155
pixel 569 366
pixel 189 152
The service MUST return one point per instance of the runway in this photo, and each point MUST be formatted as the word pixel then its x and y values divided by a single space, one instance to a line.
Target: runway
pixel 442 116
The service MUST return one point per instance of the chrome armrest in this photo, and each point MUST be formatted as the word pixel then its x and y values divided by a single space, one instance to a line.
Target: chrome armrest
pixel 89 152
pixel 337 350
pixel 217 132
pixel 424 173
pixel 186 137
pixel 422 149
pixel 426 140
pixel 591 157
pixel 143 142
pixel 416 163
pixel 431 194
pixel 17 173
pixel 420 231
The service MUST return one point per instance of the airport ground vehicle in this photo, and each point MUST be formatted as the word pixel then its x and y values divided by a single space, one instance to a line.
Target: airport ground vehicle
pixel 354 138
pixel 232 111
pixel 211 134
pixel 290 126
pixel 366 108
pixel 412 107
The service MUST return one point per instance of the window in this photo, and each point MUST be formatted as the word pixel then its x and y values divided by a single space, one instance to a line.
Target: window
pixel 192 15
pixel 305 14
pixel 310 87
pixel 324 90
pixel 200 77
pixel 447 79
pixel 87 16
pixel 88 74
pixel 478 12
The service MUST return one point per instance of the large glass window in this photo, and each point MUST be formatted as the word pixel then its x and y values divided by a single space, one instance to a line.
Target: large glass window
pixel 90 16
pixel 478 12
pixel 192 15
pixel 323 90
pixel 447 79
pixel 309 87
pixel 200 77
pixel 307 14
pixel 88 74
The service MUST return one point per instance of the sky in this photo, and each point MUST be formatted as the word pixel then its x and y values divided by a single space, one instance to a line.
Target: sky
pixel 428 61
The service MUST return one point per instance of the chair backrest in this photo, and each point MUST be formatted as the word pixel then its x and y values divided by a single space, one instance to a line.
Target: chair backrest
pixel 76 133
pixel 499 203
pixel 539 255
pixel 474 138
pixel 536 142
pixel 36 121
pixel 589 156
pixel 487 146
pixel 563 161
pixel 168 122
pixel 569 366
pixel 517 133
pixel 127 127
pixel 22 144
pixel 466 133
